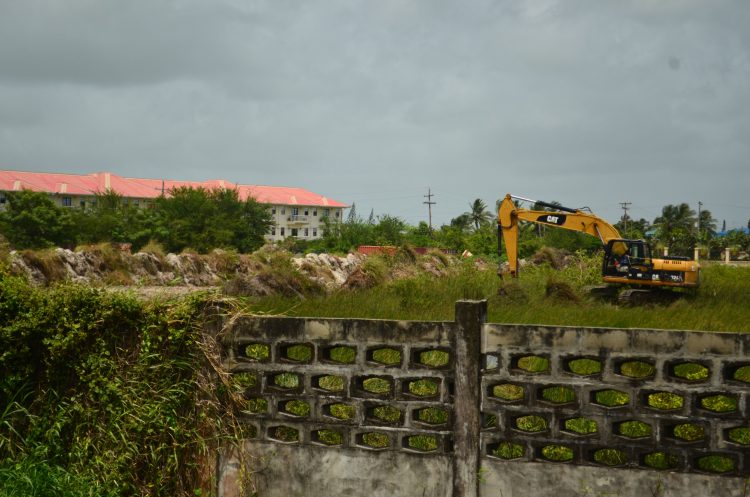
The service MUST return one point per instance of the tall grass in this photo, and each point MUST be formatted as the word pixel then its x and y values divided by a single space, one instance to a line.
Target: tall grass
pixel 721 304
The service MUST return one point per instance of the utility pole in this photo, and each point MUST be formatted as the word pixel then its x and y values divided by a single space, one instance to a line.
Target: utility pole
pixel 625 207
pixel 429 203
pixel 700 204
pixel 696 250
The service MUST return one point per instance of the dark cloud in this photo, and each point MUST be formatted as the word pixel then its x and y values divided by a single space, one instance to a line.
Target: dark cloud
pixel 591 102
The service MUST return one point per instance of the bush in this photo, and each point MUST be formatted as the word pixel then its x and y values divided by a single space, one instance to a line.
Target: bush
pixel 106 394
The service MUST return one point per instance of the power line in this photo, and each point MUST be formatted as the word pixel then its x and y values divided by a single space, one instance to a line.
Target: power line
pixel 429 205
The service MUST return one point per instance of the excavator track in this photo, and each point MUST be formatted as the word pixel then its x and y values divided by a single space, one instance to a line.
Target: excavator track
pixel 639 296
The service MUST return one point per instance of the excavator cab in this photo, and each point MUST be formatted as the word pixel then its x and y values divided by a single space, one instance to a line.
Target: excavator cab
pixel 630 259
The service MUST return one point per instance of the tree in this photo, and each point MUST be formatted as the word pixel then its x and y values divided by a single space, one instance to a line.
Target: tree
pixel 352 218
pixel 706 226
pixel 675 227
pixel 205 219
pixel 32 220
pixel 389 230
pixel 110 218
pixel 420 235
pixel 478 214
pixel 635 229
pixel 461 222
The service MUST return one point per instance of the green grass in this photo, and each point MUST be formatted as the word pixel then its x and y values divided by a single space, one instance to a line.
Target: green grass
pixel 585 366
pixel 721 304
pixel 434 358
pixel 557 453
pixel 377 385
pixel 689 432
pixel 331 383
pixel 691 371
pixel 661 460
pixel 559 395
pixel 40 478
pixel 330 437
pixel 610 457
pixel 377 440
pixel 637 369
pixel 508 450
pixel 739 435
pixel 425 443
pixel 342 411
pixel 433 415
pixel 423 388
pixel 719 403
pixel 581 426
pixel 611 398
pixel 389 414
pixel 635 429
pixel 665 401
pixel 342 354
pixel 508 391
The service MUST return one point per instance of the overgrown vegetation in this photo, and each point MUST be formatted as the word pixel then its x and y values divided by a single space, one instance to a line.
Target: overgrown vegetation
pixel 721 304
pixel 105 395
pixel 194 218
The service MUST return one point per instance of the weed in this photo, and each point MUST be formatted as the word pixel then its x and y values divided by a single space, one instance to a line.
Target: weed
pixel 154 248
pixel 48 262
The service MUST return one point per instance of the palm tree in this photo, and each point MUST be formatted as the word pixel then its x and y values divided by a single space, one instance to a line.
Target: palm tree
pixel 478 215
pixel 675 226
pixel 707 224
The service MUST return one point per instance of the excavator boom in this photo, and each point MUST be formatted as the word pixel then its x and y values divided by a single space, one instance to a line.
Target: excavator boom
pixel 509 215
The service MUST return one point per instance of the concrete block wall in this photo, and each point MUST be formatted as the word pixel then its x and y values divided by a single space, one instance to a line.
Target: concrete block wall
pixel 359 403
pixel 640 399
pixel 474 405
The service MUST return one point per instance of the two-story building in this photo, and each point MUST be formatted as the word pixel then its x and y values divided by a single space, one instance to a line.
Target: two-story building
pixel 295 211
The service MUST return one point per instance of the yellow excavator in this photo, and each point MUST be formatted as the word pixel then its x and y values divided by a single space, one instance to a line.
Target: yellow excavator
pixel 629 271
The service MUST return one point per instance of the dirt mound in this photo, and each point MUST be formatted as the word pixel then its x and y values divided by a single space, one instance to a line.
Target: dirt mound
pixel 561 291
pixel 511 291
pixel 556 258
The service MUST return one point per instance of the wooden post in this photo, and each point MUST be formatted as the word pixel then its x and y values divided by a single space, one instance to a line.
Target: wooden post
pixel 467 424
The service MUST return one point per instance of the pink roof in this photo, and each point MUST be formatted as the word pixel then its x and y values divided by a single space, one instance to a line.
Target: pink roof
pixel 88 184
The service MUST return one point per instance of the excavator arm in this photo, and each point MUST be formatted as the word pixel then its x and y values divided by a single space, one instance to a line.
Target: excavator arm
pixel 509 215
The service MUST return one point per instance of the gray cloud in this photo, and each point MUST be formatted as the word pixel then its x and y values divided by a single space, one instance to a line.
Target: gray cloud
pixel 586 102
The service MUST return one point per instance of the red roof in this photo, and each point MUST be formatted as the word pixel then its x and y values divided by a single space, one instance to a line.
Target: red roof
pixel 88 184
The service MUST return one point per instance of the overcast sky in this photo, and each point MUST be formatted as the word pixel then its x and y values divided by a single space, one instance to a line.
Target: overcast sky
pixel 374 101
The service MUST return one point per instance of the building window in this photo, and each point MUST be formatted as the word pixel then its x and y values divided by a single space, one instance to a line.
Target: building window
pixel 83 204
pixel 67 201
pixel 307 232
pixel 307 212
pixel 282 231
pixel 338 213
pixel 326 212
pixel 294 231
pixel 283 211
pixel 295 211
pixel 273 210
pixel 2 198
pixel 273 231
pixel 315 232
pixel 315 211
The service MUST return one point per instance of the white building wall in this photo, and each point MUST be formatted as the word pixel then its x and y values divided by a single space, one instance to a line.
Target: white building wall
pixel 303 222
